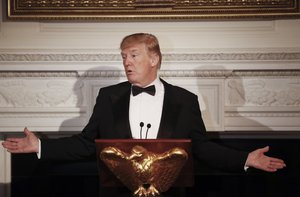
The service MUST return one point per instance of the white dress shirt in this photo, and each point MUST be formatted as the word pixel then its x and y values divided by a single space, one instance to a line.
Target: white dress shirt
pixel 147 109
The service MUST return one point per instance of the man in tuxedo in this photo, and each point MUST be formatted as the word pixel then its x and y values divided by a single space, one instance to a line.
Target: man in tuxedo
pixel 169 111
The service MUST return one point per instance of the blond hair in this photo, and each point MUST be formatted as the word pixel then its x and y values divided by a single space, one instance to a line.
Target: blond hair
pixel 150 41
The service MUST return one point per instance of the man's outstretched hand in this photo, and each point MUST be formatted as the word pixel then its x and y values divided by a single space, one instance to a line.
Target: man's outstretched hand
pixel 27 144
pixel 258 159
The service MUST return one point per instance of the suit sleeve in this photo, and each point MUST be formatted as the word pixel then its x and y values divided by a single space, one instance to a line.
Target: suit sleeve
pixel 213 154
pixel 76 147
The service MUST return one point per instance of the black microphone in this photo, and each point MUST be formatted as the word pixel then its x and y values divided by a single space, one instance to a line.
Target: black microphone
pixel 148 127
pixel 141 125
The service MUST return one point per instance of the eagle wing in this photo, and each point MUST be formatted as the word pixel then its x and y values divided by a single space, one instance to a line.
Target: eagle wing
pixel 167 167
pixel 117 161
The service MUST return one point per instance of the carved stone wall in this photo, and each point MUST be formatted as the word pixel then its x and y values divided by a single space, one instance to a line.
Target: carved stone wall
pixel 232 96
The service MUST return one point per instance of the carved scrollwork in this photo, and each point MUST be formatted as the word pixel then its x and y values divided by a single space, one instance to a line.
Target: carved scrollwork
pixel 258 93
pixel 168 57
pixel 39 93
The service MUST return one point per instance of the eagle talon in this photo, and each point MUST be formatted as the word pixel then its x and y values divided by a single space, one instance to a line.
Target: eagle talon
pixel 141 192
pixel 152 191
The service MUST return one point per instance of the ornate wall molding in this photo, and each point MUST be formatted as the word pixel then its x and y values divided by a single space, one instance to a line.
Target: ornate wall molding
pixel 163 73
pixel 115 74
pixel 234 57
pixel 59 57
pixel 256 114
pixel 183 57
pixel 38 74
pixel 266 73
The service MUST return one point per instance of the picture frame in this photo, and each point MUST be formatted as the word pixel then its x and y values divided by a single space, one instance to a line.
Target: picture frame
pixel 151 10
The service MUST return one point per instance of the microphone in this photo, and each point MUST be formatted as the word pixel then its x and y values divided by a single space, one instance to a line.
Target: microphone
pixel 141 125
pixel 148 127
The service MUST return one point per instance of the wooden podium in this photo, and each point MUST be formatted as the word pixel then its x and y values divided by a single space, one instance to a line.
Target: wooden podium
pixel 108 179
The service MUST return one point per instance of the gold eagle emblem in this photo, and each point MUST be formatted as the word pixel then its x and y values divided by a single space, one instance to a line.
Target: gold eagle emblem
pixel 145 173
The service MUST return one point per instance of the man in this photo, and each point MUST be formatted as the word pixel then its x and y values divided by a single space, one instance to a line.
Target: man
pixel 172 112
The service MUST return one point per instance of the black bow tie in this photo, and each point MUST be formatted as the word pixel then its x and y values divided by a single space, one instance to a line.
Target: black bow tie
pixel 137 90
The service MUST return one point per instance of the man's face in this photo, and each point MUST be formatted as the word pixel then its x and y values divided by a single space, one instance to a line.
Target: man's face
pixel 140 66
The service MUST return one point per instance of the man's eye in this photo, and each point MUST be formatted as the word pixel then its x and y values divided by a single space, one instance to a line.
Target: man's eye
pixel 134 55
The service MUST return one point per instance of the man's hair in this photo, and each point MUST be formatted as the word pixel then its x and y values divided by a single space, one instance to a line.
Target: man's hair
pixel 149 40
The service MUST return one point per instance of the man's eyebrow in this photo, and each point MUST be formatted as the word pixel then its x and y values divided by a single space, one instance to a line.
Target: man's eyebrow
pixel 133 50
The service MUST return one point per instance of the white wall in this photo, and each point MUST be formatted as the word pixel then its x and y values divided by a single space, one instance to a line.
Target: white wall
pixel 249 54
pixel 246 73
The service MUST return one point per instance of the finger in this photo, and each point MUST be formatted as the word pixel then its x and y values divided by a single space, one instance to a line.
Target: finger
pixel 13 140
pixel 270 169
pixel 276 160
pixel 277 165
pixel 11 148
pixel 4 144
pixel 14 150
pixel 8 145
pixel 273 167
pixel 10 139
pixel 14 147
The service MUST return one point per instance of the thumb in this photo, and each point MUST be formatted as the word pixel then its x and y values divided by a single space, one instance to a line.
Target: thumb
pixel 265 149
pixel 26 131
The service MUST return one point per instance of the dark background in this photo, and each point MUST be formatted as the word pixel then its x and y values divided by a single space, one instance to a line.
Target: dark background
pixel 31 177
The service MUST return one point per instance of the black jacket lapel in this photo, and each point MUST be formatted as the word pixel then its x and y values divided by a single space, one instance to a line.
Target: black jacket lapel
pixel 169 114
pixel 120 108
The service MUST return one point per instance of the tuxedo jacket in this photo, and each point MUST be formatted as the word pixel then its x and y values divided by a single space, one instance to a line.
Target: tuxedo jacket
pixel 181 119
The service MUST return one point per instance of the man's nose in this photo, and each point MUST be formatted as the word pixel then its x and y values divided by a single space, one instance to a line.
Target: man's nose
pixel 126 61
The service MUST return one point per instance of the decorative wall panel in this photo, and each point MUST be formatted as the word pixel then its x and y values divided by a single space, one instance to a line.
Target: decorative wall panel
pixel 265 100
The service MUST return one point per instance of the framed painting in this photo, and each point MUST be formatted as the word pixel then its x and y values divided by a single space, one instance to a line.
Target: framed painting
pixel 150 10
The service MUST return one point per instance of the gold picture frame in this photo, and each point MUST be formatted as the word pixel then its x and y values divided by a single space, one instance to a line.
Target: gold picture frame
pixel 151 10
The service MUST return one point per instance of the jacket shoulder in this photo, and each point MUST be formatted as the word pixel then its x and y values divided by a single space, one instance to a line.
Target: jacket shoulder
pixel 116 87
pixel 179 91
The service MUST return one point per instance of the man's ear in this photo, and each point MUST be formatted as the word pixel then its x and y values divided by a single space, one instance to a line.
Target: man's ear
pixel 154 59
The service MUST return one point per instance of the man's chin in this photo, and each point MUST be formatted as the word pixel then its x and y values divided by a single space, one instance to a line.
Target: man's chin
pixel 131 80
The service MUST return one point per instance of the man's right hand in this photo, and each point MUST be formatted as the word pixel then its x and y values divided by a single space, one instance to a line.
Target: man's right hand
pixel 27 144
